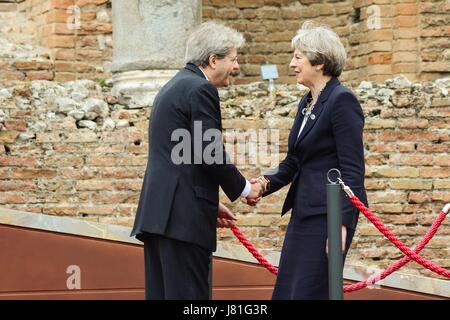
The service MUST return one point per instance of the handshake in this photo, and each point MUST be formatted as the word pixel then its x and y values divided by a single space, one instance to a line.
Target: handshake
pixel 226 219
pixel 258 186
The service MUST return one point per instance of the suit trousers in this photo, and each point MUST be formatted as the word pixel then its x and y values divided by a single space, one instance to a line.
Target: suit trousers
pixel 303 269
pixel 175 270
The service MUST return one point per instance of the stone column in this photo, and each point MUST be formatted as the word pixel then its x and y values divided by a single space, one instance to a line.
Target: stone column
pixel 149 40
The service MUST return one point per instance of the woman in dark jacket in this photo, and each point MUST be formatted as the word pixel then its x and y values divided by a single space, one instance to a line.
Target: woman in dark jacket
pixel 327 133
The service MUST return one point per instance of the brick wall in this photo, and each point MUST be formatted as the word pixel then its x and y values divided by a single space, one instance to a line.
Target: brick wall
pixel 72 149
pixel 85 156
pixel 52 163
pixel 383 38
pixel 78 32
pixel 269 26
pixel 434 40
pixel 20 56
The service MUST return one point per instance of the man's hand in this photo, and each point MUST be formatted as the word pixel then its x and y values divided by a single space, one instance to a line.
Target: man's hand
pixel 344 238
pixel 225 218
pixel 256 190
pixel 252 201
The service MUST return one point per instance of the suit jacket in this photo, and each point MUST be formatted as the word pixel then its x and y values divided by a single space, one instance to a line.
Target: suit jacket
pixel 180 200
pixel 334 139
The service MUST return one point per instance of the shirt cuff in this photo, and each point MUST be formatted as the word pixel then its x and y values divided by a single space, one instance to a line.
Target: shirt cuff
pixel 247 189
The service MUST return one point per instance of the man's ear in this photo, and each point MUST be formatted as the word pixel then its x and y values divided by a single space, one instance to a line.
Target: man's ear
pixel 212 61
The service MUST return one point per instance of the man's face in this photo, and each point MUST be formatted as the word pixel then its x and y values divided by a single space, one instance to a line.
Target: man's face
pixel 225 67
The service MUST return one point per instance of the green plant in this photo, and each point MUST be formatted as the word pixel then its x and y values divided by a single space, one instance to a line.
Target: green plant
pixel 101 82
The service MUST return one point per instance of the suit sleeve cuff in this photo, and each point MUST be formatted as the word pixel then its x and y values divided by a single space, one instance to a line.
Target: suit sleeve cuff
pixel 247 189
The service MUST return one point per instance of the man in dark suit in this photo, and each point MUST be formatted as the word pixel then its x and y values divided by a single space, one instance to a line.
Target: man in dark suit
pixel 179 208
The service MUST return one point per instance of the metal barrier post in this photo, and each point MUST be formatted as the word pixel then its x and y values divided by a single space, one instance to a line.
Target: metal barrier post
pixel 210 277
pixel 335 259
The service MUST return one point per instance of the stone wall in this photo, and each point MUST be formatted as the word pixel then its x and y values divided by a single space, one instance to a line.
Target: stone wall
pixel 434 39
pixel 383 38
pixel 270 25
pixel 21 57
pixel 73 149
pixel 77 34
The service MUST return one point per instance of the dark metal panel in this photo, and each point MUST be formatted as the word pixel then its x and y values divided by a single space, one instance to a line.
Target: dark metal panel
pixel 227 272
pixel 33 265
pixel 36 260
pixel 76 295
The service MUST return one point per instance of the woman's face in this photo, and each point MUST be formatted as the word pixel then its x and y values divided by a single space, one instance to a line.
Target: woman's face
pixel 304 71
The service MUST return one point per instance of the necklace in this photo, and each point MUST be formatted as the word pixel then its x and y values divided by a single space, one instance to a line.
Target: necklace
pixel 309 108
pixel 306 112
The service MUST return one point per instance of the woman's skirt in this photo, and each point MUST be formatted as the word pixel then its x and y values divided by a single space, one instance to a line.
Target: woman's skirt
pixel 303 268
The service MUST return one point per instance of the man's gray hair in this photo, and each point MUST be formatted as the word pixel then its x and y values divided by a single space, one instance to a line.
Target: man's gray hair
pixel 321 46
pixel 211 38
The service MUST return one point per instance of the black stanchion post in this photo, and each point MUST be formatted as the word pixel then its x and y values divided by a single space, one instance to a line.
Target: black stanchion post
pixel 335 263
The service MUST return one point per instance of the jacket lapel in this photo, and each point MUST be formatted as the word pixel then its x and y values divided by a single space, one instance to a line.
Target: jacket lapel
pixel 311 121
pixel 318 108
pixel 297 122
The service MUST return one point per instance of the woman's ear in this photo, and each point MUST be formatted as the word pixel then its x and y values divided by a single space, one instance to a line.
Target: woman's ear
pixel 319 67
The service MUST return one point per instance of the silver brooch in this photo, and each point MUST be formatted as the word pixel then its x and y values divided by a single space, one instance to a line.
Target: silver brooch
pixel 313 117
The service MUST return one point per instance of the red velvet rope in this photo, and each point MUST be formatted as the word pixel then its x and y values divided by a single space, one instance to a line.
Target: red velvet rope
pixel 396 241
pixel 410 254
